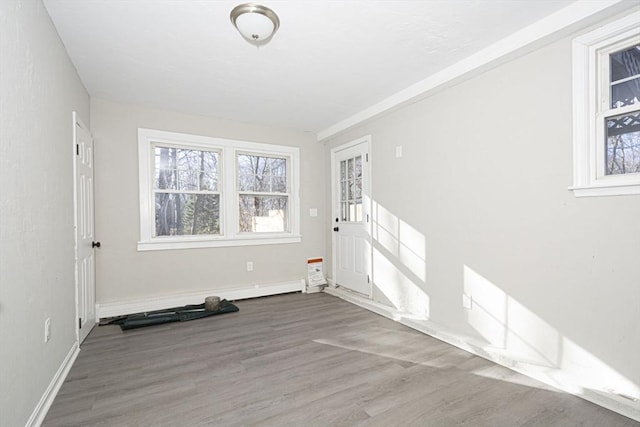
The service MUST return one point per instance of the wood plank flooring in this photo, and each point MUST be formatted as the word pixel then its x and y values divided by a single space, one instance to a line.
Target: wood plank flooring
pixel 301 360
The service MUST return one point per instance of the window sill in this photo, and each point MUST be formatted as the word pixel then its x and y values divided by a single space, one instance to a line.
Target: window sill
pixel 169 244
pixel 597 190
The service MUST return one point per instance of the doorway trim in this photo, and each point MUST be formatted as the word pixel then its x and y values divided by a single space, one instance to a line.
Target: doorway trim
pixel 367 200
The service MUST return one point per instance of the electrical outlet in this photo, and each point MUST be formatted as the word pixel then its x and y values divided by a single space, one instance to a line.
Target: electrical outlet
pixel 47 329
pixel 467 301
pixel 249 266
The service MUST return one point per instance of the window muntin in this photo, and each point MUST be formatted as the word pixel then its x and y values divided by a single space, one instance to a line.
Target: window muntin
pixel 192 190
pixel 263 196
pixel 606 92
pixel 186 196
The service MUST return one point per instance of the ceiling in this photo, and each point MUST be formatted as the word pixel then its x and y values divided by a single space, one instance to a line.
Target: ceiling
pixel 328 61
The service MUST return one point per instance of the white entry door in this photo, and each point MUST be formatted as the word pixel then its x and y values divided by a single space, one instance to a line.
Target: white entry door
pixel 84 226
pixel 351 216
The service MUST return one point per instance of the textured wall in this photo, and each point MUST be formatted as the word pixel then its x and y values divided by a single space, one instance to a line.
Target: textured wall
pixel 479 204
pixel 40 89
pixel 123 273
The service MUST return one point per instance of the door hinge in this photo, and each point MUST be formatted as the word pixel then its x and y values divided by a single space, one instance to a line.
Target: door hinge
pixel 367 217
pixel 368 279
pixel 366 157
pixel 77 149
pixel 79 323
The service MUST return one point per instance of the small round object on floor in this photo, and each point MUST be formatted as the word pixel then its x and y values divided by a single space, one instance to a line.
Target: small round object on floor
pixel 212 303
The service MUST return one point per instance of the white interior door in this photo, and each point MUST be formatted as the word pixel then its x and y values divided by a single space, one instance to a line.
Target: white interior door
pixel 84 227
pixel 351 216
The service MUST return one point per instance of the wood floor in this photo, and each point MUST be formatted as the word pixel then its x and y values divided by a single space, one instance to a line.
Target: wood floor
pixel 301 360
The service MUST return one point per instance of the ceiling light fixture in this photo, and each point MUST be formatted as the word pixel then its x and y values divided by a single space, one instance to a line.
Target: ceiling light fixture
pixel 256 23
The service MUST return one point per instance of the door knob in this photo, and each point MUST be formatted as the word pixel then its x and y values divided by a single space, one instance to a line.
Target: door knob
pixel 95 244
pixel 336 229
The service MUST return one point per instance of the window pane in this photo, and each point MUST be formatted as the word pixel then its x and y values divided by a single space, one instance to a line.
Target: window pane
pixel 358 190
pixel 350 169
pixel 187 214
pixel 625 63
pixel 263 214
pixel 625 77
pixel 183 169
pixel 625 93
pixel 247 182
pixel 279 167
pixel 262 174
pixel 278 184
pixel 623 144
pixel 343 191
pixel 343 170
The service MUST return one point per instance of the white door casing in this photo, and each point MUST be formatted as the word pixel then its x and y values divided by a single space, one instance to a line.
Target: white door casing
pixel 351 204
pixel 84 229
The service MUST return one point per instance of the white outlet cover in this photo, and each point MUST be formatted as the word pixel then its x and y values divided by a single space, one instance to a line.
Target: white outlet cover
pixel 467 301
pixel 249 266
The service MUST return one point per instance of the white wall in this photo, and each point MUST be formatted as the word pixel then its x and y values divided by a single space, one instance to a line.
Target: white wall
pixel 125 274
pixel 40 89
pixel 479 204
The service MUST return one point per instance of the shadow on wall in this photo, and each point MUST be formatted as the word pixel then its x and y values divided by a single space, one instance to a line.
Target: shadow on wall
pixel 399 265
pixel 510 327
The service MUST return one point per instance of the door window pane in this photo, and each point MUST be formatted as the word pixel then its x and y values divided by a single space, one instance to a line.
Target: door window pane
pixel 351 189
pixel 358 167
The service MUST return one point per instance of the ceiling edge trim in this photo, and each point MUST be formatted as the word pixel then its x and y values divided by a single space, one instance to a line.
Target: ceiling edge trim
pixel 547 30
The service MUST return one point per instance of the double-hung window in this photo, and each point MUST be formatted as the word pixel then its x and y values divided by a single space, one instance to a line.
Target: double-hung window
pixel 198 191
pixel 606 65
pixel 263 193
pixel 185 191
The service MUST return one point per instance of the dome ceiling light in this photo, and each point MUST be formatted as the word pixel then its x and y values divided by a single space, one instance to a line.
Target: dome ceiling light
pixel 256 23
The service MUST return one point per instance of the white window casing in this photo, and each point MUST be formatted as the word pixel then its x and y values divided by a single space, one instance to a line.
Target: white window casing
pixel 228 149
pixel 592 107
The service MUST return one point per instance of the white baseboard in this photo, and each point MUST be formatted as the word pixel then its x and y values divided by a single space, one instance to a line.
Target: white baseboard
pixel 611 401
pixel 41 409
pixel 121 308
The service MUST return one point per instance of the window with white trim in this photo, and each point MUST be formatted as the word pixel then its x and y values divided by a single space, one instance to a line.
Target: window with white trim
pixel 606 68
pixel 262 193
pixel 198 191
pixel 185 190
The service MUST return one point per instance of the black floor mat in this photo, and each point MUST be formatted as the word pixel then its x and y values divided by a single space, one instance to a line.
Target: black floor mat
pixel 176 314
